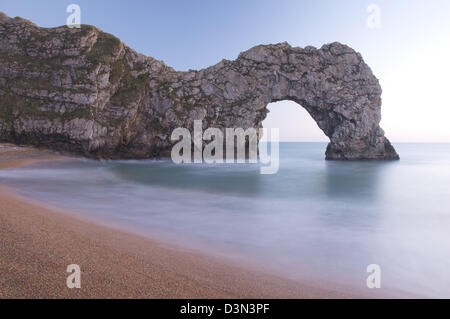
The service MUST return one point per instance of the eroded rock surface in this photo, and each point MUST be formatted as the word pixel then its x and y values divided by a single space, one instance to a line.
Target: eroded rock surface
pixel 84 91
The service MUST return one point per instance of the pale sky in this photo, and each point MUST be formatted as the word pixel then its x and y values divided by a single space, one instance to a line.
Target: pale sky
pixel 409 52
pixel 414 75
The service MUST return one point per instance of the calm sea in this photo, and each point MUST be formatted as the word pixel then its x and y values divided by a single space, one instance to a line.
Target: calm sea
pixel 313 219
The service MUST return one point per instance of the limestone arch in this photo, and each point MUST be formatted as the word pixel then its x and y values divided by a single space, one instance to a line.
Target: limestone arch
pixel 126 105
pixel 334 85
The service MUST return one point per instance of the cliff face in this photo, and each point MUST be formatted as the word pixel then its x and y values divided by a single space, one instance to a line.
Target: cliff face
pixel 84 91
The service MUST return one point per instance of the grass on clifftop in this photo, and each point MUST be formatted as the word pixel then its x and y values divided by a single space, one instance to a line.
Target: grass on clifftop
pixel 103 50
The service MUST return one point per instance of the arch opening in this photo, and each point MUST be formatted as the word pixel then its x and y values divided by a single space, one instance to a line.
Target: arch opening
pixel 294 122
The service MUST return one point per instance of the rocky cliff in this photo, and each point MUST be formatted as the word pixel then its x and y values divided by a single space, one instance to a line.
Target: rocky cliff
pixel 84 91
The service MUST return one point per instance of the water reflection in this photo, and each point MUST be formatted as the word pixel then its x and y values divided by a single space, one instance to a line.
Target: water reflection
pixel 355 181
pixel 233 179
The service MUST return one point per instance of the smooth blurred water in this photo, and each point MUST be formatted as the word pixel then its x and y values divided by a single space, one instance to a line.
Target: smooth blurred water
pixel 324 220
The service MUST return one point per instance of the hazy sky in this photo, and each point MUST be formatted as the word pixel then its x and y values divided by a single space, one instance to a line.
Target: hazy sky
pixel 409 52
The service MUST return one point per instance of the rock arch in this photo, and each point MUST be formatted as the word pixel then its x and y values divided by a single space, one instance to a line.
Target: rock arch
pixel 84 91
pixel 332 83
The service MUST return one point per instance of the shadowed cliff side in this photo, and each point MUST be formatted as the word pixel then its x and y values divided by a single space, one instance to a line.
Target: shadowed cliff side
pixel 84 91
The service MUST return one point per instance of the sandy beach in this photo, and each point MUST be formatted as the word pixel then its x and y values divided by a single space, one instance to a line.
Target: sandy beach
pixel 38 243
